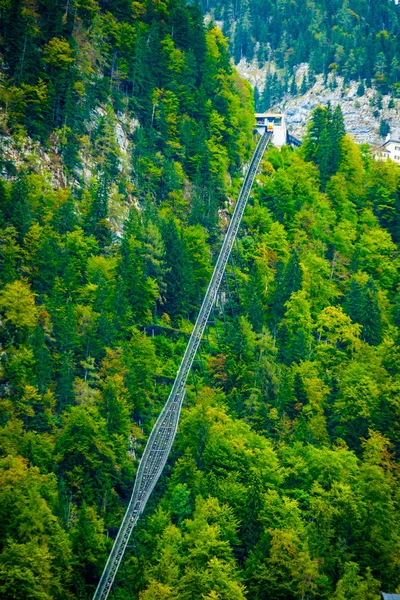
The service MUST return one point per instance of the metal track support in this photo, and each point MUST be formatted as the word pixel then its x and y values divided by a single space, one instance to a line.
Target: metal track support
pixel 163 433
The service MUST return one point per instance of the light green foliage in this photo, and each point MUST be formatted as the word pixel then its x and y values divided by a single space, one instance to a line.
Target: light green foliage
pixel 36 552
pixel 317 281
pixel 351 167
pixel 377 256
pixel 158 591
pixel 18 305
pixel 58 53
pixel 195 238
pixel 295 328
pixel 336 328
pixel 357 587
pixel 85 453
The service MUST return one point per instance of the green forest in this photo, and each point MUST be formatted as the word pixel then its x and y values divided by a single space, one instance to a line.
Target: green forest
pixel 356 39
pixel 124 132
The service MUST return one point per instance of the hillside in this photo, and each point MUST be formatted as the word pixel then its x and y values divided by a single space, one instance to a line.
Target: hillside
pixel 353 38
pixel 297 54
pixel 368 114
pixel 125 132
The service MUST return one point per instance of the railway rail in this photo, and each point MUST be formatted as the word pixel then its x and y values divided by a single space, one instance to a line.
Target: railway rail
pixel 163 433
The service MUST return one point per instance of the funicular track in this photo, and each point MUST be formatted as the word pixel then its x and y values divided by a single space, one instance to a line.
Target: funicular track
pixel 163 433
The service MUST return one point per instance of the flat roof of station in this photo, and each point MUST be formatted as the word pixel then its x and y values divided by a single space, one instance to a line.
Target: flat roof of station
pixel 268 114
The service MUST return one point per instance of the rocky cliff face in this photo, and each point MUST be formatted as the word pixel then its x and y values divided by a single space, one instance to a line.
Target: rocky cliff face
pixel 362 114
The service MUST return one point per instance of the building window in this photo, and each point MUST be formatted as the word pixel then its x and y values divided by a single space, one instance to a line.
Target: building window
pixel 397 147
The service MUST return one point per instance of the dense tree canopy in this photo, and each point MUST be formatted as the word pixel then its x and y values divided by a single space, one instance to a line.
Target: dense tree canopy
pixel 125 132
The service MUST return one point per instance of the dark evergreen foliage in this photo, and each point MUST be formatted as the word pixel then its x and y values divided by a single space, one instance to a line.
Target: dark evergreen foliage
pixel 363 307
pixel 322 143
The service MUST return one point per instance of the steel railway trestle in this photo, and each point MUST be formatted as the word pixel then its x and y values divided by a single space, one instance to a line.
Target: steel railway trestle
pixel 163 433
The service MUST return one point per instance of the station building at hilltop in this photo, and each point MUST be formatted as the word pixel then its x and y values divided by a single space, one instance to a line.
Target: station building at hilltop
pixel 275 123
pixel 390 149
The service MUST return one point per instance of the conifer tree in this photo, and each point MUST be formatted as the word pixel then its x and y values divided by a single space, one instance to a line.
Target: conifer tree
pixel 363 308
pixel 361 89
pixel 337 132
pixel 295 329
pixel 179 283
pixel 304 85
pixel 322 142
pixel 289 280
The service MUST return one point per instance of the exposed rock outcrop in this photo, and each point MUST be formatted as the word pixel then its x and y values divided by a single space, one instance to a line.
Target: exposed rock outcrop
pixel 362 114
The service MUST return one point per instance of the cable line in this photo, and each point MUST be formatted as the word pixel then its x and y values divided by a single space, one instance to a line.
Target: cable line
pixel 163 433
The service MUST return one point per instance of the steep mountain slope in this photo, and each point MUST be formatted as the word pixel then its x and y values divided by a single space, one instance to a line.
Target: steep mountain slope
pixel 368 114
pixel 296 54
pixel 124 134
pixel 74 77
pixel 285 475
pixel 123 129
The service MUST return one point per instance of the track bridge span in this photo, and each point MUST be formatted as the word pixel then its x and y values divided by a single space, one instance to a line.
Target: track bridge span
pixel 163 433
